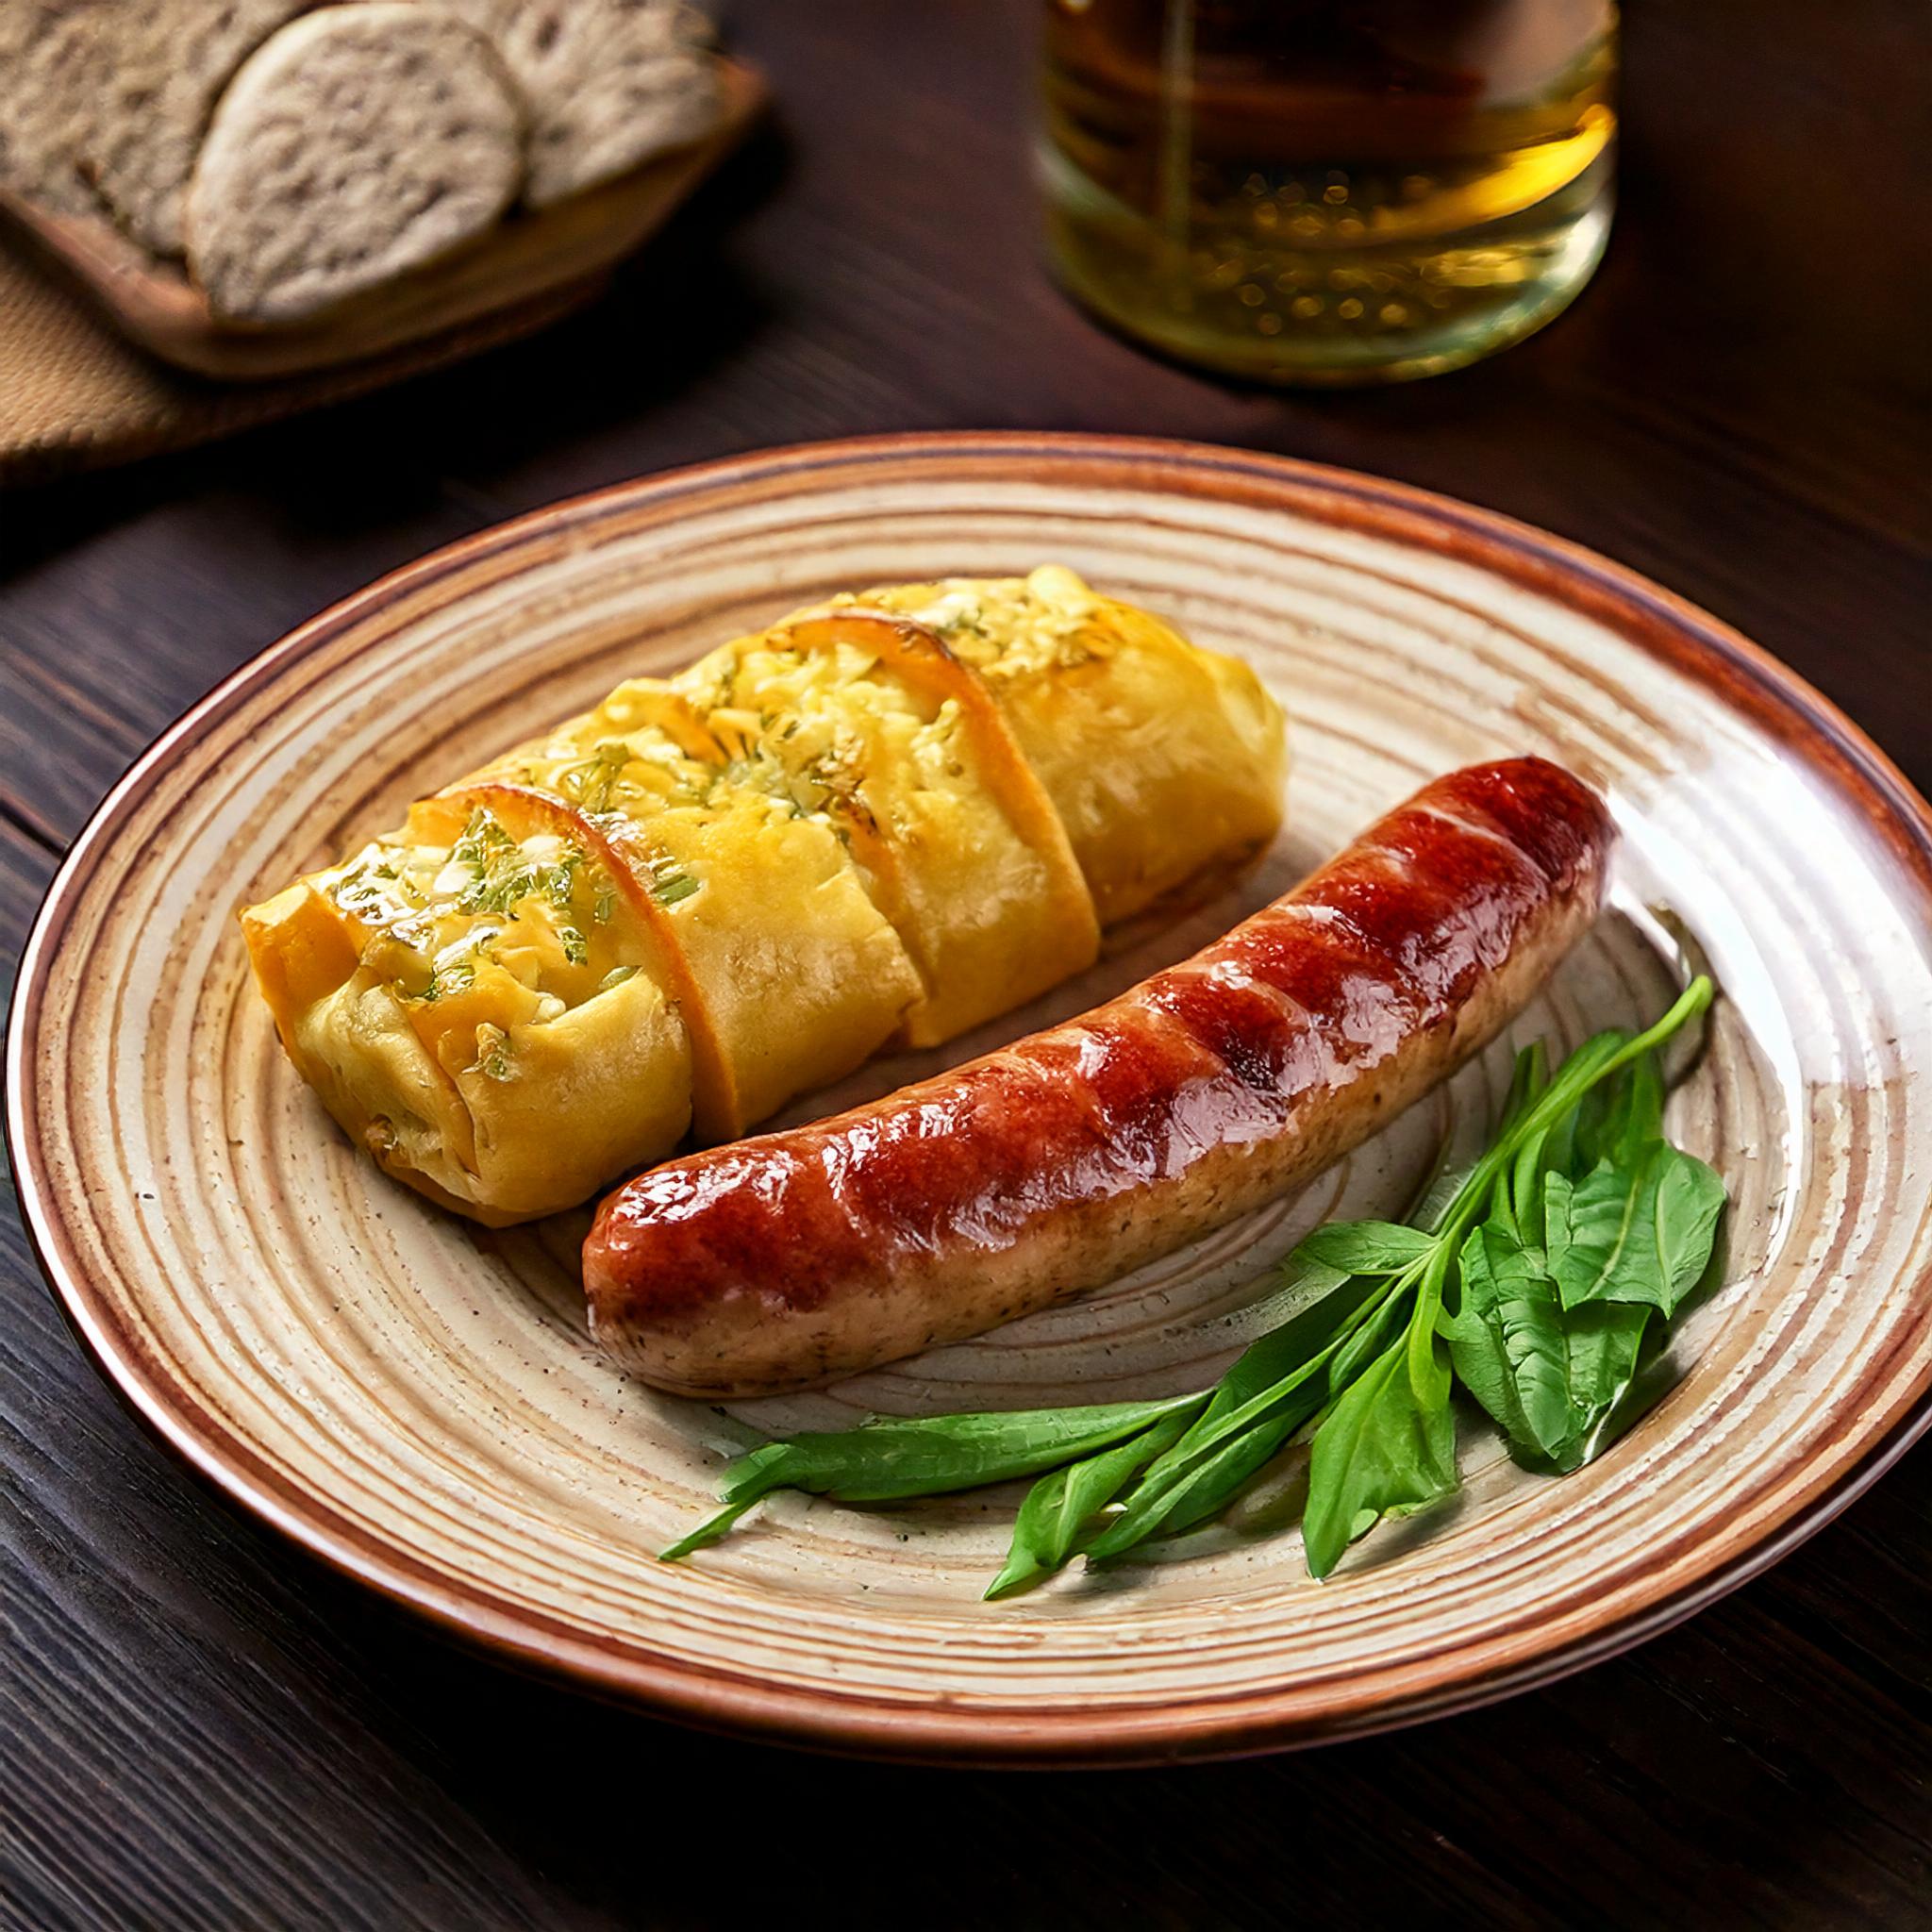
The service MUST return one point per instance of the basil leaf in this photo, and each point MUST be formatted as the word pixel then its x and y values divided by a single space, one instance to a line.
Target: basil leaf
pixel 1639 1233
pixel 1365 1247
pixel 1061 1504
pixel 1380 1451
pixel 885 1459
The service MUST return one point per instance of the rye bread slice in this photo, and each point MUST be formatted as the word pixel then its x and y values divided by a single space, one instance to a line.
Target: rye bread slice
pixel 609 83
pixel 166 62
pixel 358 143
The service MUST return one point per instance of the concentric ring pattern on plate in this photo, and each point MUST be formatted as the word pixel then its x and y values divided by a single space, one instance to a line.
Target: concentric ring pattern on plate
pixel 419 1403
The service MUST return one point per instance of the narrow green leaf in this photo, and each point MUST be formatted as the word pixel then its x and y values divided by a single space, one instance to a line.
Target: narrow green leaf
pixel 1429 1361
pixel 885 1459
pixel 1289 1373
pixel 1551 1150
pixel 1380 1451
pixel 1202 1486
pixel 712 1529
pixel 1213 1486
pixel 1365 1247
pixel 1527 1079
pixel 1283 1353
pixel 1061 1504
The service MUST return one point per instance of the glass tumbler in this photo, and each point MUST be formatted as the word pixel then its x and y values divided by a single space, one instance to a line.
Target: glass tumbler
pixel 1328 191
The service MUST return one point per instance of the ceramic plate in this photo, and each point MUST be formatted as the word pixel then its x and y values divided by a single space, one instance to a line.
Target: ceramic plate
pixel 418 1403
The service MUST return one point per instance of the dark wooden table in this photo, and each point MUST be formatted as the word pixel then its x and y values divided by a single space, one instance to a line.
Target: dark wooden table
pixel 203 1729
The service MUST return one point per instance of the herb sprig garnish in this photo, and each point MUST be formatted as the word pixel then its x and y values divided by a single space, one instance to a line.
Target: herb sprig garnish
pixel 1534 1285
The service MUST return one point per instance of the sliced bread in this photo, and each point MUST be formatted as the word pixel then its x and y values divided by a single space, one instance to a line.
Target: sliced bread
pixel 609 83
pixel 360 142
pixel 167 62
pixel 52 62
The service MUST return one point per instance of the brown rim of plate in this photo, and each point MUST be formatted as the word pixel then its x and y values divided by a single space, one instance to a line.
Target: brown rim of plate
pixel 1664 626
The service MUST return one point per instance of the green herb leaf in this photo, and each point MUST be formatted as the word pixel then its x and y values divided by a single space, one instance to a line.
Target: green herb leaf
pixel 1625 1115
pixel 1549 1377
pixel 1604 1340
pixel 1283 1380
pixel 1207 1488
pixel 1381 1451
pixel 1507 1342
pixel 1637 1233
pixel 887 1458
pixel 1365 1247
pixel 1060 1505
pixel 712 1529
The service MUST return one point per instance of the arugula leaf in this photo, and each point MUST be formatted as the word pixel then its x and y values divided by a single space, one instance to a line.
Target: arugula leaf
pixel 1381 1451
pixel 1061 1504
pixel 1637 1233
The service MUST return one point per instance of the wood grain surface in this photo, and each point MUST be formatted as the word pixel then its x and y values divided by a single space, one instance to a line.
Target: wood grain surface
pixel 201 1729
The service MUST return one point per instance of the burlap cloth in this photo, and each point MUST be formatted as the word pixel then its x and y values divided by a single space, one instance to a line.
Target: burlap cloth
pixel 75 394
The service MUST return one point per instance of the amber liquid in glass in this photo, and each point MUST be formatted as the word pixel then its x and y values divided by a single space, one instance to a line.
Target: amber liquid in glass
pixel 1328 191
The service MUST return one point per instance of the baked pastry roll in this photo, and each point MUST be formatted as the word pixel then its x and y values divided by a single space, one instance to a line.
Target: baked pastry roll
pixel 888 817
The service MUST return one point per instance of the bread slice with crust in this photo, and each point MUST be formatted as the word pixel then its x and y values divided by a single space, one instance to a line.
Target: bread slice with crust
pixel 164 64
pixel 52 64
pixel 610 83
pixel 358 143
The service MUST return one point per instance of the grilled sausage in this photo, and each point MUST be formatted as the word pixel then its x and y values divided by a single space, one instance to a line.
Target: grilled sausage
pixel 1062 1162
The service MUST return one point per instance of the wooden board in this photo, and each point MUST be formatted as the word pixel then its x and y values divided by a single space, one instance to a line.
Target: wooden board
pixel 570 244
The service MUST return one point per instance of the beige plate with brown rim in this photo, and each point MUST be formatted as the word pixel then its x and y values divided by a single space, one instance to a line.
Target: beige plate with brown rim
pixel 419 1404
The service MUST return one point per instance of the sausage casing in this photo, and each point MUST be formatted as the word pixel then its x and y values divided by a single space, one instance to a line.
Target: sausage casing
pixel 1065 1161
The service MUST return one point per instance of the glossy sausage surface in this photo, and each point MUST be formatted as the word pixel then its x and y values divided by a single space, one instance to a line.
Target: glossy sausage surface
pixel 1060 1162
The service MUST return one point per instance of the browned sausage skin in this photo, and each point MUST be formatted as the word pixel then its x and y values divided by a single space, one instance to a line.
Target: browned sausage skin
pixel 1059 1162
